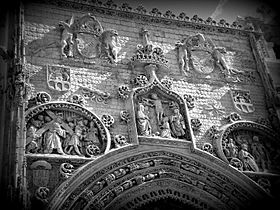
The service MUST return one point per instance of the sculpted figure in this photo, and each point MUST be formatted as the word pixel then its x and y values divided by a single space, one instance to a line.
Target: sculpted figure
pixel 143 122
pixel 91 136
pixel 260 153
pixel 67 36
pixel 32 143
pixel 247 159
pixel 53 135
pixel 165 128
pixel 74 142
pixel 182 56
pixel 177 124
pixel 219 57
pixel 108 41
pixel 232 148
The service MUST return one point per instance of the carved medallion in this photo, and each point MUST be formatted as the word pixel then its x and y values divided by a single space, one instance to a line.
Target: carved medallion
pixel 58 78
pixel 242 101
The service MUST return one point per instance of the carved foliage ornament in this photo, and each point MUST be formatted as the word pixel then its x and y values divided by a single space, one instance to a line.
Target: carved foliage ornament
pixel 65 129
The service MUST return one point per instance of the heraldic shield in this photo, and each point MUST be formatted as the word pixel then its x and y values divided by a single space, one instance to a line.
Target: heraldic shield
pixel 242 101
pixel 203 61
pixel 58 78
pixel 87 39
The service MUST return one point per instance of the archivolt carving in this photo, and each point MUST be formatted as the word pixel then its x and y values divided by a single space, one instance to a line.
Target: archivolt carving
pixel 245 146
pixel 66 129
pixel 109 184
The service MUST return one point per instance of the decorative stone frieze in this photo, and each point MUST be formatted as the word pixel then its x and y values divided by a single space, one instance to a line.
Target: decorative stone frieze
pixel 95 95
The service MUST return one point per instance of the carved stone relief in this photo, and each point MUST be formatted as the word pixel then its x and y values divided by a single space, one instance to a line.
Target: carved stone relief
pixel 199 53
pixel 249 149
pixel 65 129
pixel 147 53
pixel 58 78
pixel 84 36
pixel 242 101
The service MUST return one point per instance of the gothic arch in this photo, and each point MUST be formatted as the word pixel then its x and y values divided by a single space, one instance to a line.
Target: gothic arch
pixel 133 176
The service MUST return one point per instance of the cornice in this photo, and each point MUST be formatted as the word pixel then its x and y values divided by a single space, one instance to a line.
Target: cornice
pixel 154 16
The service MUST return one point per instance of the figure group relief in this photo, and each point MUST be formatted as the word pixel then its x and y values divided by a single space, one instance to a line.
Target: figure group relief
pixel 251 151
pixel 64 133
pixel 157 116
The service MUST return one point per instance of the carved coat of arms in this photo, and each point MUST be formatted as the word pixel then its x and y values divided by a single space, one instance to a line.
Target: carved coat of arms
pixel 41 173
pixel 58 78
pixel 200 51
pixel 242 101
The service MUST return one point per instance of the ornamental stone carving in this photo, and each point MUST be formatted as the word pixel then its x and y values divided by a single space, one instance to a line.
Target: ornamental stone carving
pixel 84 36
pixel 199 53
pixel 147 53
pixel 159 112
pixel 245 146
pixel 66 129
pixel 242 101
pixel 66 170
pixel 58 78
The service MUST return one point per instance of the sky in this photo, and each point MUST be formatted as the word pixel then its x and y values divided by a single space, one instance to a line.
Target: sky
pixel 217 9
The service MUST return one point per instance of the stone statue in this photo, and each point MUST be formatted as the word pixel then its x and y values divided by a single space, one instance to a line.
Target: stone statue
pixel 182 56
pixel 260 154
pixel 154 101
pixel 232 148
pixel 177 124
pixel 32 143
pixel 91 137
pixel 165 128
pixel 75 140
pixel 53 135
pixel 247 159
pixel 143 122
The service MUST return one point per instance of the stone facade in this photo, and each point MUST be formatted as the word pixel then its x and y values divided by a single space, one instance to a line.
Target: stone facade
pixel 120 107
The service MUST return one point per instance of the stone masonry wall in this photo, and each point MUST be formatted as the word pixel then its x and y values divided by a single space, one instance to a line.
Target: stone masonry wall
pixel 41 44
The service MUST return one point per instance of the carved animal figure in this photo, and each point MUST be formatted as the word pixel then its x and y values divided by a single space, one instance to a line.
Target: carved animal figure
pixel 108 44
pixel 219 57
